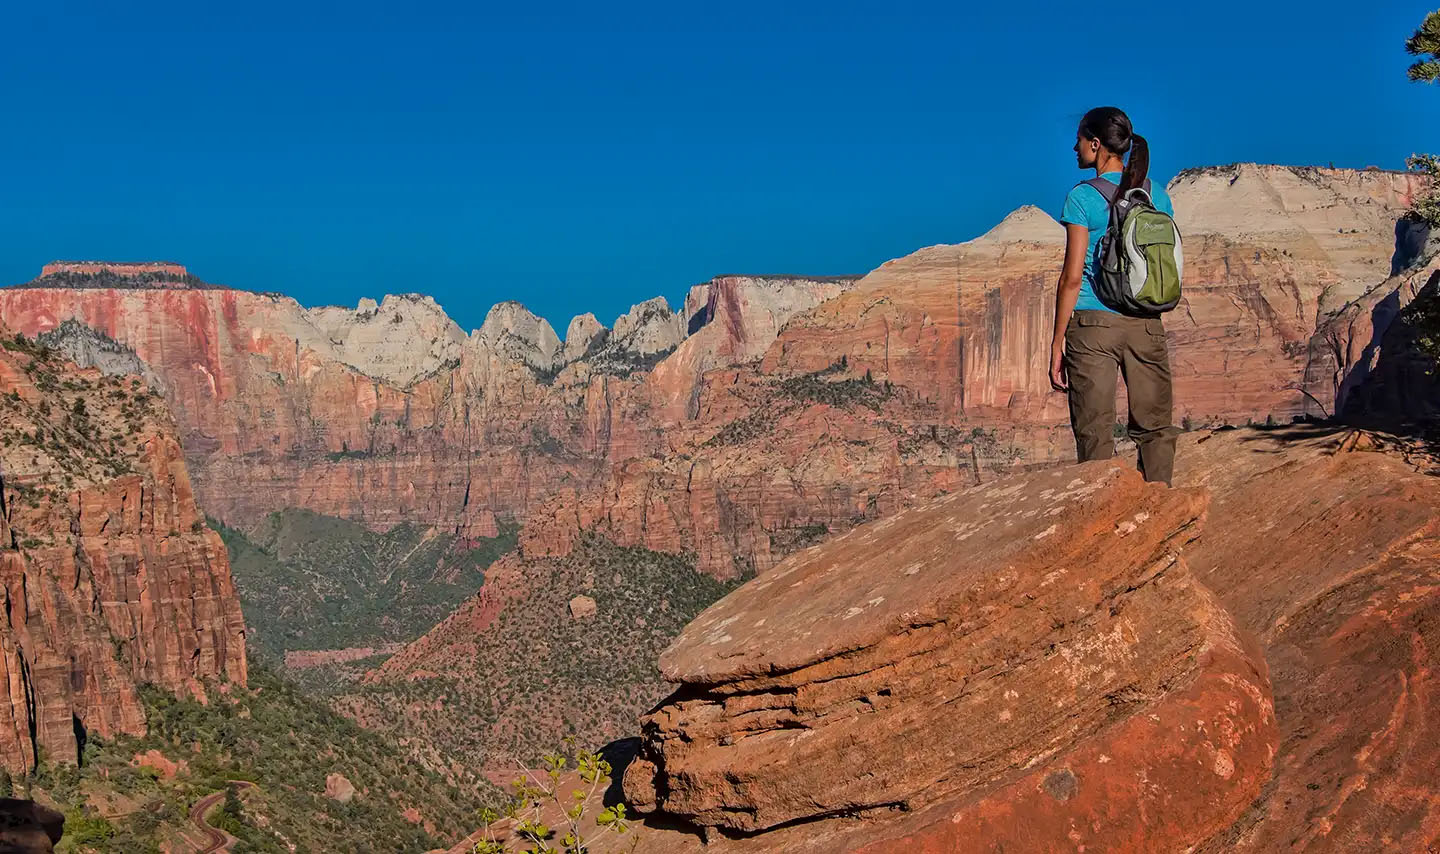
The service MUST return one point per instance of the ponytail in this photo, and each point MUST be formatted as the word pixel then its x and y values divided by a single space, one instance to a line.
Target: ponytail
pixel 1137 168
pixel 1112 128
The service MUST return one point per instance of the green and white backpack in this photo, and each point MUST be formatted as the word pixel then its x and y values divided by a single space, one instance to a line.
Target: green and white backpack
pixel 1141 261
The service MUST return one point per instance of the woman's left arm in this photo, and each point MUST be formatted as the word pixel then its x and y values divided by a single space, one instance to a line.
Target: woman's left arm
pixel 1077 245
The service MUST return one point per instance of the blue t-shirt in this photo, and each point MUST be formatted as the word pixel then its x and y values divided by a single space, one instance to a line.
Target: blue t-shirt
pixel 1085 206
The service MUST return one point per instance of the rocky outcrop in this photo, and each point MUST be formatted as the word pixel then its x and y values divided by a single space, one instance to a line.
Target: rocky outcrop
pixel 339 788
pixel 647 329
pixel 582 607
pixel 511 333
pixel 401 339
pixel 1002 668
pixel 88 348
pixel 1363 363
pixel 583 335
pixel 1071 659
pixel 110 576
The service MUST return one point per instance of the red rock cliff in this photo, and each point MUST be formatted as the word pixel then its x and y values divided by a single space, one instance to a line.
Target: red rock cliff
pixel 111 578
pixel 866 395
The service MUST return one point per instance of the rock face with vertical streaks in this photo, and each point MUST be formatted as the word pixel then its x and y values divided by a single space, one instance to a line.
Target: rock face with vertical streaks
pixel 768 409
pixel 110 576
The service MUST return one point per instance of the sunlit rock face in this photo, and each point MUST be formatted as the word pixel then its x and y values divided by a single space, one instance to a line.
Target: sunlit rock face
pixel 766 409
pixel 111 578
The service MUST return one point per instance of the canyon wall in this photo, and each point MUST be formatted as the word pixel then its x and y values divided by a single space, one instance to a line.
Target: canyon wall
pixel 110 577
pixel 764 410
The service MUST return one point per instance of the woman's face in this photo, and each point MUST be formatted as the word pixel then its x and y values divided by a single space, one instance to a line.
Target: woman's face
pixel 1087 151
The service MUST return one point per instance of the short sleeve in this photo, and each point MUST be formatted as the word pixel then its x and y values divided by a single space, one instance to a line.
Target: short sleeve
pixel 1074 211
pixel 1162 202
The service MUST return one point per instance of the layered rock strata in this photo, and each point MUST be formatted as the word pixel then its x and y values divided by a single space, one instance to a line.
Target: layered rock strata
pixel 934 362
pixel 1005 667
pixel 110 576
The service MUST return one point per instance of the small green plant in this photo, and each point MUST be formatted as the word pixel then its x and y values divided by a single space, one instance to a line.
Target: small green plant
pixel 1423 316
pixel 535 791
pixel 1426 207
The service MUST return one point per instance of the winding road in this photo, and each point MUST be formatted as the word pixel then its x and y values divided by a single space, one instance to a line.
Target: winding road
pixel 219 840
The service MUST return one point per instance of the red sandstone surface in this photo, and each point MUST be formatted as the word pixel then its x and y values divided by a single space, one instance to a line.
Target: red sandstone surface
pixel 110 577
pixel 1073 659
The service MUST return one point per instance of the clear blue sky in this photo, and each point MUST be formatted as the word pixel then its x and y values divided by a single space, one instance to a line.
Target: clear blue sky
pixel 597 154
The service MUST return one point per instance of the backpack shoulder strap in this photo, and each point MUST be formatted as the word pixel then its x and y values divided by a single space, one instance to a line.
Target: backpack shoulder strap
pixel 1105 187
pixel 1108 188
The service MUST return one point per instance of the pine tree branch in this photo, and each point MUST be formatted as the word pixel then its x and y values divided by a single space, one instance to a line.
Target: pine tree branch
pixel 1425 71
pixel 1426 39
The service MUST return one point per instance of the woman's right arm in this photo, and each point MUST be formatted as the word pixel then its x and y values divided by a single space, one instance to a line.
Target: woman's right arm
pixel 1077 245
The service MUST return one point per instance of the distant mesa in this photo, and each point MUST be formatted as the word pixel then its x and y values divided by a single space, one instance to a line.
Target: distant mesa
pixel 118 268
pixel 116 274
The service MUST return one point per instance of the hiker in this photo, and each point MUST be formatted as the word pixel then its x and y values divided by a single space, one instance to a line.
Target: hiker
pixel 1107 309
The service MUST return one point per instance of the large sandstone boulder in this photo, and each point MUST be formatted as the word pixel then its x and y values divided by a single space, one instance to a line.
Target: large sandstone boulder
pixel 1026 665
pixel 1329 553
pixel 339 788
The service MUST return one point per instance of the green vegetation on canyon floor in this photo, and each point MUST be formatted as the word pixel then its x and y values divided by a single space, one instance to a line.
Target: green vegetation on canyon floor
pixel 314 582
pixel 287 745
pixel 500 684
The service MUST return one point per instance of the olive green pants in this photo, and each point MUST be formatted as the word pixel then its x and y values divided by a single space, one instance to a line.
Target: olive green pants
pixel 1097 344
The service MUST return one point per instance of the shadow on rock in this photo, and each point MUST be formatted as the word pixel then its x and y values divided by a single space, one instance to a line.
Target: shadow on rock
pixel 28 828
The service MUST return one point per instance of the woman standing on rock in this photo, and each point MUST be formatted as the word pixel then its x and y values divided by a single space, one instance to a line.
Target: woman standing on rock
pixel 1092 340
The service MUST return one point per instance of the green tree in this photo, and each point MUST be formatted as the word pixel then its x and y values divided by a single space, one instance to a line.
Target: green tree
pixel 1426 45
pixel 231 808
pixel 230 817
pixel 1424 312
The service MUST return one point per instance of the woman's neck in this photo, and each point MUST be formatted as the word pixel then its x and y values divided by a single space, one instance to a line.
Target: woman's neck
pixel 1110 164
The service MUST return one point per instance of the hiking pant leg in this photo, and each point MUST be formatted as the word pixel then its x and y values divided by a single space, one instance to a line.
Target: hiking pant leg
pixel 1145 364
pixel 1091 362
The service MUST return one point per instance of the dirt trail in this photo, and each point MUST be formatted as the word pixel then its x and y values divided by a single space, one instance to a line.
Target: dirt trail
pixel 218 840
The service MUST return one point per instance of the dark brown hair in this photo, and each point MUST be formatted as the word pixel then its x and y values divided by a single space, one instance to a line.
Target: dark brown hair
pixel 1112 128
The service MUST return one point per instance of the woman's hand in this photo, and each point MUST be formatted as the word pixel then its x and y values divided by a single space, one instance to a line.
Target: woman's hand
pixel 1057 368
